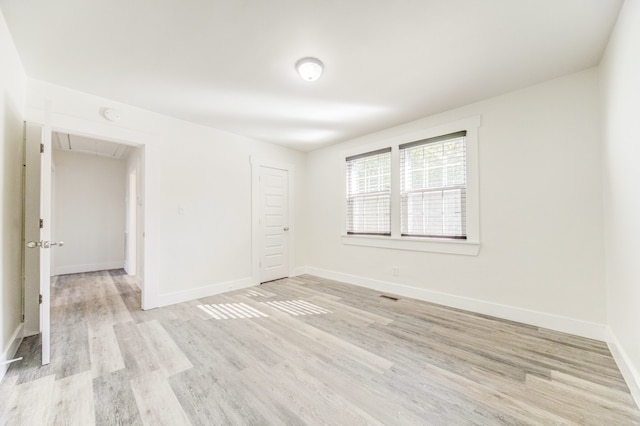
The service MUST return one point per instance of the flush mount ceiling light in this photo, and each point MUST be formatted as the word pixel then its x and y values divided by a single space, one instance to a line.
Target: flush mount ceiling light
pixel 310 69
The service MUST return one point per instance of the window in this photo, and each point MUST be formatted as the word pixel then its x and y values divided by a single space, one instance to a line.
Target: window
pixel 369 193
pixel 433 186
pixel 415 191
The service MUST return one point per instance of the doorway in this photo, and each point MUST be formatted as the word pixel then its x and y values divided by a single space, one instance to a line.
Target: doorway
pixel 39 171
pixel 95 181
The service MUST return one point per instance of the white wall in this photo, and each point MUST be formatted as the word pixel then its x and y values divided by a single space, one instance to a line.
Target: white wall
pixel 89 216
pixel 621 153
pixel 208 172
pixel 541 258
pixel 12 92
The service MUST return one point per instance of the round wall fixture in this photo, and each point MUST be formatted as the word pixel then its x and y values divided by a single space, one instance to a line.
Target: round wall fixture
pixel 111 114
pixel 310 69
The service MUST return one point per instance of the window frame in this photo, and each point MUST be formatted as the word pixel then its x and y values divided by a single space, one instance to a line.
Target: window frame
pixel 470 246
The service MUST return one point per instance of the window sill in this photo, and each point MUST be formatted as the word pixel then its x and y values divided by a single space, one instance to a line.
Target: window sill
pixel 433 245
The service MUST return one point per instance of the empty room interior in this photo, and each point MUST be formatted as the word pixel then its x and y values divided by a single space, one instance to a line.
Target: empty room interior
pixel 295 212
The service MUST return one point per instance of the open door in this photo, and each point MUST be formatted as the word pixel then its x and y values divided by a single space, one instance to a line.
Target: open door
pixel 37 231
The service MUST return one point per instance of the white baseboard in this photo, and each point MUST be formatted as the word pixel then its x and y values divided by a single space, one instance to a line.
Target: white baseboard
pixel 539 319
pixel 629 371
pixel 10 352
pixel 128 270
pixel 197 293
pixel 90 267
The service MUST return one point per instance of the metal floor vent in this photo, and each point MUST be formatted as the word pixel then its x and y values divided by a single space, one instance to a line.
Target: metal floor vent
pixel 297 307
pixel 384 296
pixel 231 311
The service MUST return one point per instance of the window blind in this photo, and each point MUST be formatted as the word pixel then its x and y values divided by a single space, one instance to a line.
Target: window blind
pixel 369 193
pixel 433 186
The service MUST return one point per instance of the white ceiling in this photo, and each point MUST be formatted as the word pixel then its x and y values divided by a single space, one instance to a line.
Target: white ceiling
pixel 230 64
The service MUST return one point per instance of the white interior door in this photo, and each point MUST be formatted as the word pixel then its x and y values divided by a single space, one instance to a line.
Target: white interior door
pixel 274 223
pixel 37 273
pixel 32 230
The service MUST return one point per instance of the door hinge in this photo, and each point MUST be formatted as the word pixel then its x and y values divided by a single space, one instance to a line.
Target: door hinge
pixel 41 223
pixel 41 148
pixel 22 317
pixel 40 299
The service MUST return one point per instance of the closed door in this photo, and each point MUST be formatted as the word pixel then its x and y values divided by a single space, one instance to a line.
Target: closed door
pixel 274 223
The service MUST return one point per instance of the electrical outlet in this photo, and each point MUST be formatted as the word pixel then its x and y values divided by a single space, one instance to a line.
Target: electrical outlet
pixel 395 271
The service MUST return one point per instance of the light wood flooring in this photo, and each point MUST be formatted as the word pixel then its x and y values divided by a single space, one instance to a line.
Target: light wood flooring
pixel 301 351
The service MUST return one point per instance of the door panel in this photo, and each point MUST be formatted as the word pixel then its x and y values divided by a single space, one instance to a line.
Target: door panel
pixel 37 225
pixel 274 219
pixel 33 135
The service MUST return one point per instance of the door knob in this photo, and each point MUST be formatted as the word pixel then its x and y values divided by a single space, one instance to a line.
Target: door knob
pixel 44 244
pixel 286 228
pixel 48 244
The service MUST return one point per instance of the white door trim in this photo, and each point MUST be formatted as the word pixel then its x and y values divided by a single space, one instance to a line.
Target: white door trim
pixel 131 251
pixel 256 247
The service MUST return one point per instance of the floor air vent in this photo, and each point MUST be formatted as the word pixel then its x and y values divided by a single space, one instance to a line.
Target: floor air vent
pixel 384 296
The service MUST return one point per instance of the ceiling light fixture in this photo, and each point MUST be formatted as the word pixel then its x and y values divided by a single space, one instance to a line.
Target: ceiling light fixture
pixel 310 69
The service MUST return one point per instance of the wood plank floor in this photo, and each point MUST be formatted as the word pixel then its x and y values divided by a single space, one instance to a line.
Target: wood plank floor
pixel 301 351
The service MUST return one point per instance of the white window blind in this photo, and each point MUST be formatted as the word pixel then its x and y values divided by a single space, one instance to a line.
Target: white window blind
pixel 369 193
pixel 433 185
